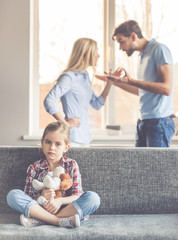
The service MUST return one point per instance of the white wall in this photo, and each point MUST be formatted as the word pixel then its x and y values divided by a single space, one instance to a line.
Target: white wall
pixel 14 71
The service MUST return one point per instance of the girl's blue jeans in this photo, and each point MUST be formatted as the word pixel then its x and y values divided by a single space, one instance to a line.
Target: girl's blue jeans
pixel 86 204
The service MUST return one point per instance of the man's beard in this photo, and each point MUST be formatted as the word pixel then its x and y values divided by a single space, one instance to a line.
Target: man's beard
pixel 130 52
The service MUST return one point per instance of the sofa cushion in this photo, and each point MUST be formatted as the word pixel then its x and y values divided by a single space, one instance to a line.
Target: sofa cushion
pixel 98 227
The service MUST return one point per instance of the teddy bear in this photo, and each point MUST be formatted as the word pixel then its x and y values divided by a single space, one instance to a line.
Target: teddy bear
pixel 60 181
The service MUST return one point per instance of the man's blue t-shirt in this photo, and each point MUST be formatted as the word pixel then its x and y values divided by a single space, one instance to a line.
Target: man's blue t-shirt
pixel 154 105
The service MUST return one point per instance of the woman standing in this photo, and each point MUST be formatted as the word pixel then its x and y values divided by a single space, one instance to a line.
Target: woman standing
pixel 74 89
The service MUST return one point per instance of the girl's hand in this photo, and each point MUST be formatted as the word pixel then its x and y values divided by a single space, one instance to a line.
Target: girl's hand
pixel 53 205
pixel 48 193
pixel 73 122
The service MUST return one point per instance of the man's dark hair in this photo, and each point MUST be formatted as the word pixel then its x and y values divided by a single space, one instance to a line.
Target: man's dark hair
pixel 127 28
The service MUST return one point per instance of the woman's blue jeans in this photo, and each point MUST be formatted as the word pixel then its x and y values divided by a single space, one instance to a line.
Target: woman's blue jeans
pixel 86 204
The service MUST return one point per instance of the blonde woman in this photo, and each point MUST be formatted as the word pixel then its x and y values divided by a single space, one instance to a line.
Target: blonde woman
pixel 74 89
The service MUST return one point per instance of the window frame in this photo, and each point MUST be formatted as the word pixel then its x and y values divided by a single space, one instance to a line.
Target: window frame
pixel 34 101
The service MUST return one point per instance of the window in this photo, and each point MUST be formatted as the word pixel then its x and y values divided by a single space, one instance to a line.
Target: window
pixel 60 25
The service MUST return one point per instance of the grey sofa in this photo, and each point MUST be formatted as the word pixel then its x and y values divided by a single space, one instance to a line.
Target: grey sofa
pixel 138 189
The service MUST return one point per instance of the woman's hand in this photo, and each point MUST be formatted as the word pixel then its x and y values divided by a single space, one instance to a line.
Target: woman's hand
pixel 73 122
pixel 105 77
pixel 53 205
pixel 120 75
pixel 48 193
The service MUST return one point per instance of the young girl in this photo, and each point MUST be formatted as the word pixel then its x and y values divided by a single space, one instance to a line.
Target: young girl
pixel 74 89
pixel 63 212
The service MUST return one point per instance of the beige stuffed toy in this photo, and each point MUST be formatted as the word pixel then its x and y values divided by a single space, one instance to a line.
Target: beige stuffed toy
pixel 60 181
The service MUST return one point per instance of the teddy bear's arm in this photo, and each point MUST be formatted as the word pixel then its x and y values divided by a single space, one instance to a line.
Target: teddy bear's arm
pixel 37 185
pixel 58 194
pixel 66 184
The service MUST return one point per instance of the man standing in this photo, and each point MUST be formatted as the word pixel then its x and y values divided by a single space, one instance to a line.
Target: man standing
pixel 154 85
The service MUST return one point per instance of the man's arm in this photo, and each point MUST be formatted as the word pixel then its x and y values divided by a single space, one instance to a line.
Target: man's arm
pixel 127 88
pixel 164 87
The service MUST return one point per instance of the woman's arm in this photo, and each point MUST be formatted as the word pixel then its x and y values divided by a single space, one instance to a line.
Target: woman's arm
pixel 125 87
pixel 50 103
pixel 73 122
pixel 62 86
pixel 106 90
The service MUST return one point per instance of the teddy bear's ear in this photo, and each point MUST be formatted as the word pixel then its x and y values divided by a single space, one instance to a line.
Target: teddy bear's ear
pixel 64 176
pixel 58 171
pixel 41 200
pixel 66 184
pixel 50 182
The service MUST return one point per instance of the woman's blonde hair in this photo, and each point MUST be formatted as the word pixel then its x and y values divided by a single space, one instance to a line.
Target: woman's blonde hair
pixel 57 126
pixel 83 54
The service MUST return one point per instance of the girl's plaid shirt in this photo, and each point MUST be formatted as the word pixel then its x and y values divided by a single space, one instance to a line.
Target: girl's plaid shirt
pixel 39 170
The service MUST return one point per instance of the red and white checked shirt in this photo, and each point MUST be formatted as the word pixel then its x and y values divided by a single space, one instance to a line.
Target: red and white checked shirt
pixel 40 169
